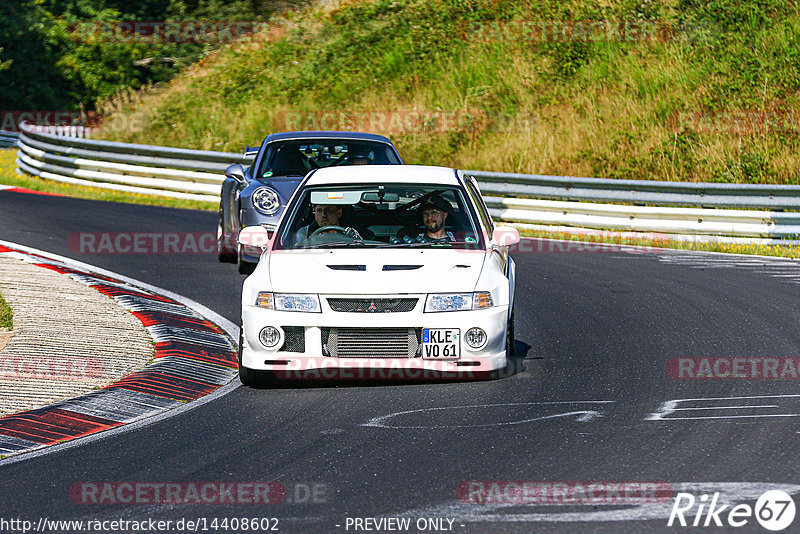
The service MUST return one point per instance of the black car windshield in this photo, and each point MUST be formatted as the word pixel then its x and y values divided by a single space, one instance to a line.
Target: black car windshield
pixel 380 216
pixel 299 156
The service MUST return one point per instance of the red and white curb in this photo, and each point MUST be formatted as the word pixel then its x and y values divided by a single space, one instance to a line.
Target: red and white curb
pixel 194 357
pixel 15 189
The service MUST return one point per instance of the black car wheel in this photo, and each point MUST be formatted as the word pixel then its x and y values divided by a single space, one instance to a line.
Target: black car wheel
pixel 510 336
pixel 245 267
pixel 225 252
pixel 249 377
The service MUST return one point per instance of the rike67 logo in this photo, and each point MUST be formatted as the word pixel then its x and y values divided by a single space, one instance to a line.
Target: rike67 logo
pixel 774 510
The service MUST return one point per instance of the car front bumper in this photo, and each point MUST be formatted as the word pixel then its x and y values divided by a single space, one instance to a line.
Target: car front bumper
pixel 303 350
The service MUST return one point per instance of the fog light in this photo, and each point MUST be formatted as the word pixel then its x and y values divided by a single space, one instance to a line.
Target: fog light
pixel 476 338
pixel 269 336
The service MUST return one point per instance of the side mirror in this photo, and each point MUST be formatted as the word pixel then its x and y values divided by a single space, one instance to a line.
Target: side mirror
pixel 505 236
pixel 236 171
pixel 256 236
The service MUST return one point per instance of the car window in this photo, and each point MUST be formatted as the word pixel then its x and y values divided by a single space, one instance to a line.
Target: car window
pixel 477 198
pixel 298 157
pixel 375 215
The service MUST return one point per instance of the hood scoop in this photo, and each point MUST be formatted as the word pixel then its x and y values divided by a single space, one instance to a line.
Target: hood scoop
pixel 348 267
pixel 401 267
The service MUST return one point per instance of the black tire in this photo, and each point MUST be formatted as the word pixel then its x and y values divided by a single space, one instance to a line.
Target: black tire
pixel 511 364
pixel 249 377
pixel 225 252
pixel 510 336
pixel 245 267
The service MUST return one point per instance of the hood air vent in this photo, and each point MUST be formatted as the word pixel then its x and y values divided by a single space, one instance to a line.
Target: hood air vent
pixel 401 267
pixel 348 267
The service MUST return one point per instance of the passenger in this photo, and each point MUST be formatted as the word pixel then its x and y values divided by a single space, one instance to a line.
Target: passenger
pixel 434 214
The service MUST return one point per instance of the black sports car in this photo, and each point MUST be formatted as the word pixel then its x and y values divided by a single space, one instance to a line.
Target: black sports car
pixel 258 194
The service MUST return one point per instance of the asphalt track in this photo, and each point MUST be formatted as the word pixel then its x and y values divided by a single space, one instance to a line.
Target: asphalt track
pixel 594 334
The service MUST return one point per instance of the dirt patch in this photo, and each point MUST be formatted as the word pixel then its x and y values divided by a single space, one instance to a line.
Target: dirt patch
pixel 5 336
pixel 69 339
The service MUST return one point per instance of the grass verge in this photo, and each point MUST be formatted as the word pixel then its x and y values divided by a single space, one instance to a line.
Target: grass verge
pixel 8 176
pixel 678 90
pixel 782 251
pixel 6 315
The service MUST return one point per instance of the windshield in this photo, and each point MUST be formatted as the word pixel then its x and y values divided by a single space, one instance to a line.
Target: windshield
pixel 385 216
pixel 299 156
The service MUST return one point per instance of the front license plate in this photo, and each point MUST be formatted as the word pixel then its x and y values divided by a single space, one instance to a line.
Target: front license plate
pixel 441 343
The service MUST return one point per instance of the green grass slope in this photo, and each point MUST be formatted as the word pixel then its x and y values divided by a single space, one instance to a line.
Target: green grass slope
pixel 697 90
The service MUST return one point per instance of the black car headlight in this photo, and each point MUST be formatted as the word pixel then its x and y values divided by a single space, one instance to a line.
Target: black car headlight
pixel 266 200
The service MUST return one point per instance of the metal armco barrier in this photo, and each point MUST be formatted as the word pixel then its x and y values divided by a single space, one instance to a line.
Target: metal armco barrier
pixel 145 169
pixel 698 221
pixel 739 210
pixel 710 195
pixel 8 139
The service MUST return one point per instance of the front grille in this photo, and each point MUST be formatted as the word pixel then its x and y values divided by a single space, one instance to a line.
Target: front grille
pixel 372 305
pixel 294 339
pixel 370 342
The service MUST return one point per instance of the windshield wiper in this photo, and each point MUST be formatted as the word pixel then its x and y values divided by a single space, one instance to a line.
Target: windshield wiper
pixel 426 244
pixel 404 245
pixel 340 244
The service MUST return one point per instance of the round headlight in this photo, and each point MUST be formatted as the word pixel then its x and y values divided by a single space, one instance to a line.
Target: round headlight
pixel 476 338
pixel 269 336
pixel 266 200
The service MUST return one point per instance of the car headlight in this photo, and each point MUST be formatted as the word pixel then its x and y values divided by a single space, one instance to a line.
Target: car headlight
pixel 438 302
pixel 266 200
pixel 300 303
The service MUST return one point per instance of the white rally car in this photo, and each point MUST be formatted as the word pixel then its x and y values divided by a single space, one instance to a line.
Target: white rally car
pixel 380 272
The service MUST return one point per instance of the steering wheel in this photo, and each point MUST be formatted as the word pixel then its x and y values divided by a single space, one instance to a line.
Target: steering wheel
pixel 327 228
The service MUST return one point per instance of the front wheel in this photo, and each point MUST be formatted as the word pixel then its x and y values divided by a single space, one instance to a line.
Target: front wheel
pixel 250 377
pixel 510 336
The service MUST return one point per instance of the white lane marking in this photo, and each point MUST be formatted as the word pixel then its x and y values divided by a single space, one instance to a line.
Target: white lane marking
pixel 672 406
pixel 782 268
pixel 730 494
pixel 728 417
pixel 583 416
pixel 231 329
pixel 728 407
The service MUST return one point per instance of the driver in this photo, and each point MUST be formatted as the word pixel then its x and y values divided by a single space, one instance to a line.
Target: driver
pixel 325 215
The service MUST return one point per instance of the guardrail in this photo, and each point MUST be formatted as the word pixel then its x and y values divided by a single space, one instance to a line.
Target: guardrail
pixel 762 211
pixel 8 139
pixel 742 210
pixel 145 169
